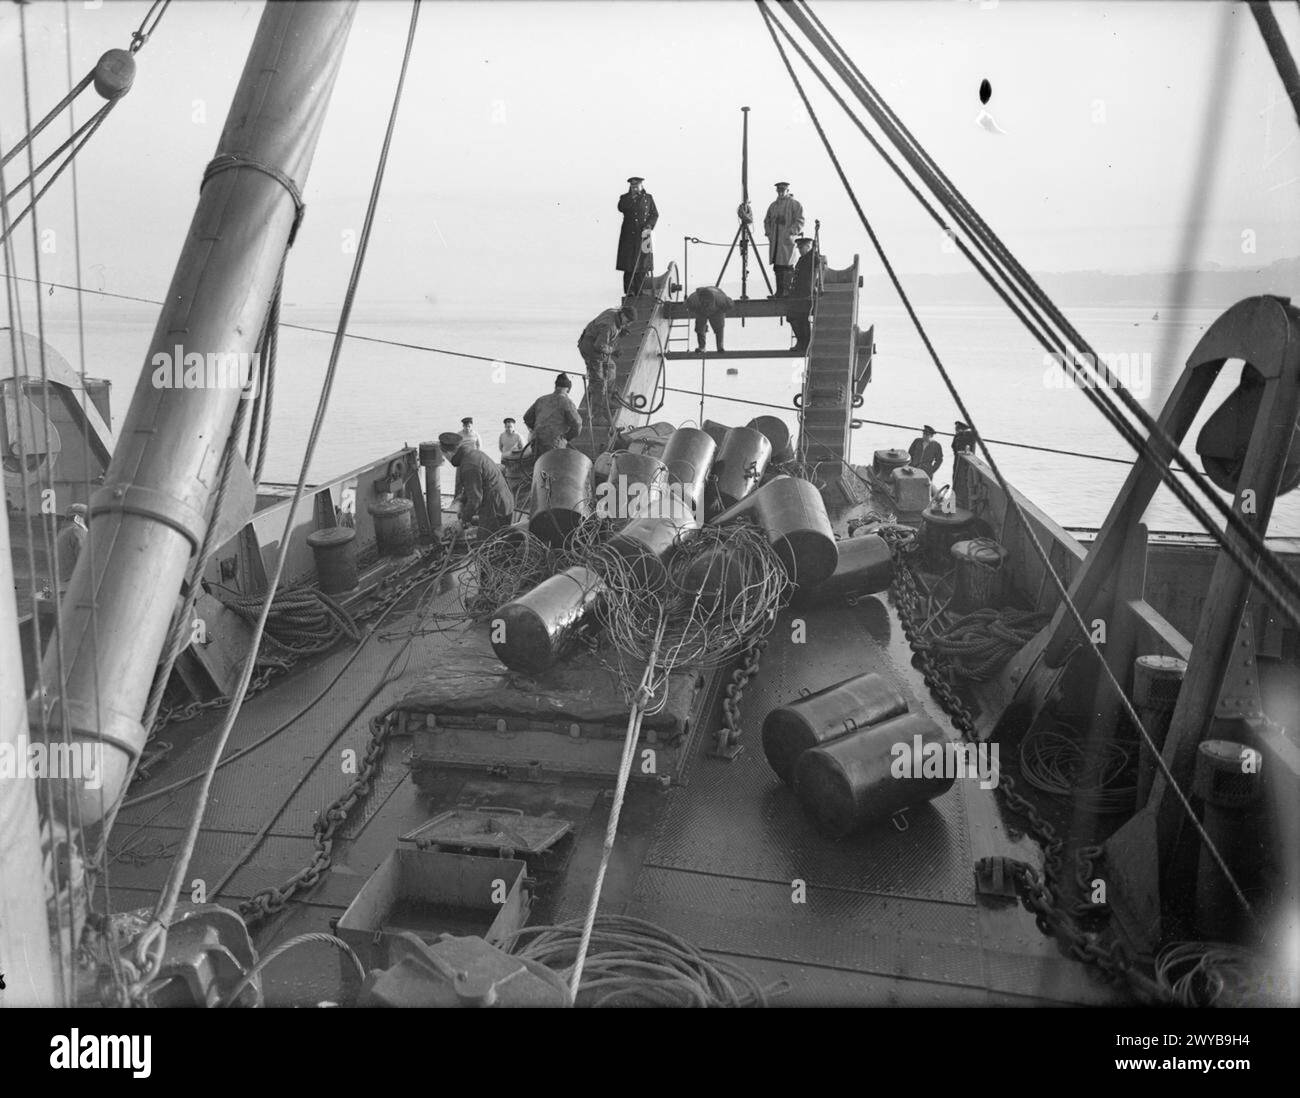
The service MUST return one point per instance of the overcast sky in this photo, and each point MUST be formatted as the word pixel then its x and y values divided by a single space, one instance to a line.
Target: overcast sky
pixel 521 122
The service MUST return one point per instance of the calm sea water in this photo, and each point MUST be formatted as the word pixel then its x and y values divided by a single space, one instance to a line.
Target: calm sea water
pixel 389 396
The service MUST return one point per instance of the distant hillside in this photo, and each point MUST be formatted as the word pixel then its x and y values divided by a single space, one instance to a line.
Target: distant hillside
pixel 1213 286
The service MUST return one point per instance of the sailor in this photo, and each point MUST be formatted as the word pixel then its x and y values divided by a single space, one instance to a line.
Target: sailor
pixel 963 441
pixel 926 453
pixel 509 443
pixel 598 343
pixel 71 541
pixel 486 500
pixel 553 419
pixel 784 222
pixel 801 288
pixel 709 306
pixel 635 253
pixel 467 431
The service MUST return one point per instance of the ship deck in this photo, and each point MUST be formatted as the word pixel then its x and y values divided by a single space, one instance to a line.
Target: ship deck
pixel 891 915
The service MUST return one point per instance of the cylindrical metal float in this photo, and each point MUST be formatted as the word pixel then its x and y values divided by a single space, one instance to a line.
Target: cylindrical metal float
pixel 739 463
pixel 532 632
pixel 870 774
pixel 979 564
pixel 688 455
pixel 716 431
pixel 792 514
pixel 636 485
pixel 561 494
pixel 837 710
pixel 911 488
pixel 865 566
pixel 432 458
pixel 1156 683
pixel 884 462
pixel 648 543
pixel 394 526
pixel 940 529
pixel 778 434
pixel 1229 781
pixel 336 564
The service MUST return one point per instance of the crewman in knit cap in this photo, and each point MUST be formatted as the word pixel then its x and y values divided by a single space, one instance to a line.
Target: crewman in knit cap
pixel 553 419
pixel 635 252
pixel 486 500
pixel 709 306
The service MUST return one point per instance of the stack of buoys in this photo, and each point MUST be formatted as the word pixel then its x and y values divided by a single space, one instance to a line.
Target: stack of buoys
pixel 854 754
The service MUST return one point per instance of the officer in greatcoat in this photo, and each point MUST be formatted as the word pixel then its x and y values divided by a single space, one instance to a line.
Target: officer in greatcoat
pixel 635 256
pixel 783 224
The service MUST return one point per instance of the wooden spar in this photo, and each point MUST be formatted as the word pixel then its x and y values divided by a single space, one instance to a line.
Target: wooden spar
pixel 149 518
pixel 25 957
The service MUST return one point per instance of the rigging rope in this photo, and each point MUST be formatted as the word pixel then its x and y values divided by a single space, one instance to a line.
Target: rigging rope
pixel 1160 446
pixel 1072 611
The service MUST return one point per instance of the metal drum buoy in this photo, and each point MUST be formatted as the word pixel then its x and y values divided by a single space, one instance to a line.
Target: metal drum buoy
pixel 1157 681
pixel 648 543
pixel 848 782
pixel 716 431
pixel 837 710
pixel 561 494
pixel 884 462
pixel 394 526
pixel 778 434
pixel 688 455
pixel 865 567
pixel 637 483
pixel 979 564
pixel 336 564
pixel 940 530
pixel 533 631
pixel 792 514
pixel 739 463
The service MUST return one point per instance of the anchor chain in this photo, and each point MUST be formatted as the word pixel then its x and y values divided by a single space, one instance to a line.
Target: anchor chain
pixel 727 738
pixel 1039 892
pixel 269 901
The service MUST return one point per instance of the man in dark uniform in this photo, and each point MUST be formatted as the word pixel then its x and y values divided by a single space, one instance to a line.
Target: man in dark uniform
pixel 486 500
pixel 963 442
pixel 709 306
pixel 801 288
pixel 635 258
pixel 926 454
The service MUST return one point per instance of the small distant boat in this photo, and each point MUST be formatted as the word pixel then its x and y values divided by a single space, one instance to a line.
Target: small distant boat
pixel 732 371
pixel 1155 315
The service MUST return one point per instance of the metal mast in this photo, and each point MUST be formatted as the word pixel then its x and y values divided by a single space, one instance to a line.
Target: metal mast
pixel 744 236
pixel 151 515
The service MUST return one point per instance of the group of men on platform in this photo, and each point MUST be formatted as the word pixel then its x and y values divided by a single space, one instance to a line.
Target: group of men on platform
pixel 482 491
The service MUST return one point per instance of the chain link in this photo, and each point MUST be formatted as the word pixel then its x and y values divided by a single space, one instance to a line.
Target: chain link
pixel 728 736
pixel 1039 892
pixel 269 901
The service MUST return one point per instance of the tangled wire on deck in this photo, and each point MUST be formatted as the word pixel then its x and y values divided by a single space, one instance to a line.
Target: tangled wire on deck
pixel 1201 974
pixel 722 590
pixel 511 562
pixel 1054 761
pixel 635 963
